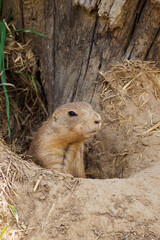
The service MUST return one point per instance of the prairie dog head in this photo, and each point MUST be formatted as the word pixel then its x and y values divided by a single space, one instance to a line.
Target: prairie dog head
pixel 74 122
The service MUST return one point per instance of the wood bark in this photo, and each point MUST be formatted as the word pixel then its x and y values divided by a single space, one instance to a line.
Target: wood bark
pixel 83 38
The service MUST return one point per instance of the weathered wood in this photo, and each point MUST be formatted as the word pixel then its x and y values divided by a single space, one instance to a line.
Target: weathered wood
pixel 84 37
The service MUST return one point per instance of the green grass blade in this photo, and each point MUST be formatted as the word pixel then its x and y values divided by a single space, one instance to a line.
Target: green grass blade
pixel 2 71
pixel 9 15
pixel 3 230
pixel 15 212
pixel 28 76
pixel 28 31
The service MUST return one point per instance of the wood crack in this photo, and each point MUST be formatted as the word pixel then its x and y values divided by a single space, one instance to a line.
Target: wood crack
pixel 111 7
pixel 140 6
pixel 99 68
pixel 149 49
pixel 90 49
pixel 54 49
pixel 76 82
pixel 22 13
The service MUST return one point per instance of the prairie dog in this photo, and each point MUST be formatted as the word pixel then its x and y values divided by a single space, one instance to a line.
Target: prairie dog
pixel 58 144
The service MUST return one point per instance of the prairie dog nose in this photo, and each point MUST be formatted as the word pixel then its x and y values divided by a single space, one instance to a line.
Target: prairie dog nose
pixel 97 121
pixel 97 118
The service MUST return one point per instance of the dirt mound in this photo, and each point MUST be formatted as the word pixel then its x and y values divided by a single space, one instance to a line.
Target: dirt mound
pixel 57 206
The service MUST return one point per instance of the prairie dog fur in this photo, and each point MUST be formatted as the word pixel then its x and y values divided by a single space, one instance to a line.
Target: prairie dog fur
pixel 58 144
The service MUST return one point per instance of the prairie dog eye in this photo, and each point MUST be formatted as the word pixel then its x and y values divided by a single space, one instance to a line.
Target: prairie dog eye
pixel 72 114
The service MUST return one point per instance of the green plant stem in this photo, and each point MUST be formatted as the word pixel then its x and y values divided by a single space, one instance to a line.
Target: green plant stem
pixel 2 70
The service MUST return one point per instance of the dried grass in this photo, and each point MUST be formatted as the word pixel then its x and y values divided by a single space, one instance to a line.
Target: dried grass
pixel 127 73
pixel 11 168
pixel 127 81
pixel 27 106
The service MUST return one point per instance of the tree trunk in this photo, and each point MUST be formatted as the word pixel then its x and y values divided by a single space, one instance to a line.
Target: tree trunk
pixel 83 38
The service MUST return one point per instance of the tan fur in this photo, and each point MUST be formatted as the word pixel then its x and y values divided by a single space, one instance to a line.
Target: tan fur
pixel 58 143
